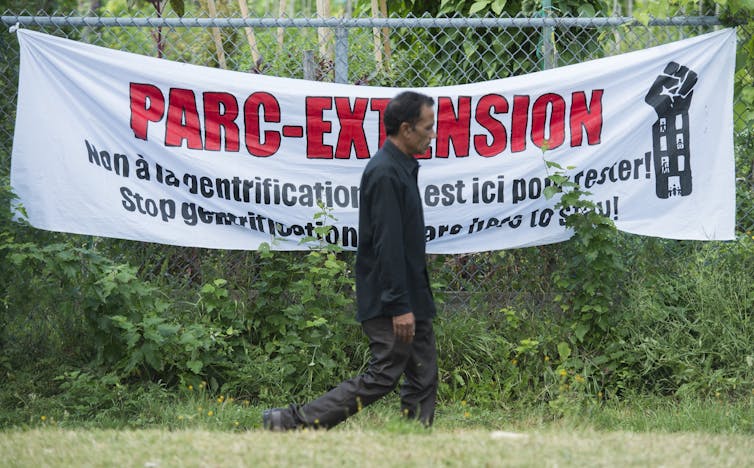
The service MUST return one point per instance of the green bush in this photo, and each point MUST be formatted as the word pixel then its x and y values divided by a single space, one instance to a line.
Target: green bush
pixel 688 330
pixel 99 339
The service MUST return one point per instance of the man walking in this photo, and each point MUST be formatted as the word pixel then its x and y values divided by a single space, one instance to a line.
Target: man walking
pixel 394 301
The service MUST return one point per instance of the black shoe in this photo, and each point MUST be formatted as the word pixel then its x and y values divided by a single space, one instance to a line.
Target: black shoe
pixel 272 420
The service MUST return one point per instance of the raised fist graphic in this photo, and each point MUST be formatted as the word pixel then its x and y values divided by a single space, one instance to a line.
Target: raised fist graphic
pixel 670 96
pixel 671 92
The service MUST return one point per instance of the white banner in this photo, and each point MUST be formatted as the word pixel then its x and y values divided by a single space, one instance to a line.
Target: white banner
pixel 114 144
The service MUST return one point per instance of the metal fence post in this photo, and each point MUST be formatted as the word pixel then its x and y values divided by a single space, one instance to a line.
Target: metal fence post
pixel 309 65
pixel 548 48
pixel 341 55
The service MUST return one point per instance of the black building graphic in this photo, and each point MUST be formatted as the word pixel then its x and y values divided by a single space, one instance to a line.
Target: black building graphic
pixel 670 96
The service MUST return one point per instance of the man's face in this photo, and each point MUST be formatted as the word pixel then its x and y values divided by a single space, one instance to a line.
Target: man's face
pixel 417 138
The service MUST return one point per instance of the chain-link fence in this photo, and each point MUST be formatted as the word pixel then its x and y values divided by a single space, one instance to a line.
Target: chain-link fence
pixel 400 52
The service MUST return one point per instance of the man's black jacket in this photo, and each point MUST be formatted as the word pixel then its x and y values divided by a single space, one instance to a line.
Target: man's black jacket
pixel 391 271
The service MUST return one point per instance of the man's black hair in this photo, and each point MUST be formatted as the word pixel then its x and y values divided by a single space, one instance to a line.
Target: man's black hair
pixel 405 107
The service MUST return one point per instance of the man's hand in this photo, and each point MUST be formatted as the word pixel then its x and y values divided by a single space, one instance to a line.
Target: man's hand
pixel 404 327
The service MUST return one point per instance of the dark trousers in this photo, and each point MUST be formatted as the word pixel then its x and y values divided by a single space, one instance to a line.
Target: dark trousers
pixel 391 358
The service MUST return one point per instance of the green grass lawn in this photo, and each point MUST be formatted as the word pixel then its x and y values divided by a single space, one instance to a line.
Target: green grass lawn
pixel 654 432
pixel 374 447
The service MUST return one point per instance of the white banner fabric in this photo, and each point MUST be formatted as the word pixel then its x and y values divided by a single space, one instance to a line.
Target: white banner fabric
pixel 114 144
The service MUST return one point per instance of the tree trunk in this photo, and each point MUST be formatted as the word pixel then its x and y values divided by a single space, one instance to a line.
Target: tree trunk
pixel 216 35
pixel 251 38
pixel 324 34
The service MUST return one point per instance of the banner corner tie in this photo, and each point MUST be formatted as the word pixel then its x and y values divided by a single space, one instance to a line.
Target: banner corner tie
pixel 14 28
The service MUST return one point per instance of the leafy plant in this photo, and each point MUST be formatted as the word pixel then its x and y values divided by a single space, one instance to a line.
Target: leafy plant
pixel 590 277
pixel 300 307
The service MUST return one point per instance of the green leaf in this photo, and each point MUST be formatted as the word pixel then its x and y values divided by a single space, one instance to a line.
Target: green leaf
pixel 551 191
pixel 478 6
pixel 167 329
pixel 264 249
pixel 319 321
pixel 498 6
pixel 564 351
pixel 195 366
pixel 188 338
pixel 581 331
pixel 642 17
pixel 149 356
pixel 178 7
